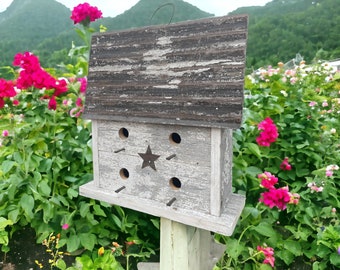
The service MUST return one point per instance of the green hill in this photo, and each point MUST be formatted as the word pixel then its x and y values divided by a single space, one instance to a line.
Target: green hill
pixel 154 12
pixel 281 29
pixel 45 27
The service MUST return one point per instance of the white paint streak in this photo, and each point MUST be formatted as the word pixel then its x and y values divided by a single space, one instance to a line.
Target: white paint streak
pixel 166 86
pixel 156 54
pixel 164 41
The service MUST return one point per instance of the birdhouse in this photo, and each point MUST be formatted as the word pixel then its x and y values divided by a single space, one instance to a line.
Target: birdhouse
pixel 164 101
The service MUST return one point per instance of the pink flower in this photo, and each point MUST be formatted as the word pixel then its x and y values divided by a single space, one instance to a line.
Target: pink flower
pixel 269 255
pixel 5 133
pixel 312 104
pixel 294 198
pixel 267 180
pixel 285 166
pixel 314 187
pixel 6 91
pixel 329 173
pixel 83 84
pixel 65 226
pixel 52 104
pixel 27 61
pixel 84 13
pixel 16 102
pixel 276 197
pixel 60 87
pixel 269 132
pixel 79 102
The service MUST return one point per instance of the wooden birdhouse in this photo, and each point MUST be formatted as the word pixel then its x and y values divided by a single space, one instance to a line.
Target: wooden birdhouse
pixel 163 101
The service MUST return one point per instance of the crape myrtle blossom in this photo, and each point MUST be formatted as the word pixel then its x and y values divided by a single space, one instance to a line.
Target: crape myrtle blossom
pixel 269 132
pixel 84 14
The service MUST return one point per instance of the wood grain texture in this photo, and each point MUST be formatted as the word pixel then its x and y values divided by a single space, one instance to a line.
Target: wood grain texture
pixel 189 73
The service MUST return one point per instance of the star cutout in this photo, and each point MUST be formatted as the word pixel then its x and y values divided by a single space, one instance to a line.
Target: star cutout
pixel 149 158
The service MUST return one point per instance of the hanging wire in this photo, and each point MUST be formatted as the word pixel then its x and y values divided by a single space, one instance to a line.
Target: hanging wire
pixel 166 4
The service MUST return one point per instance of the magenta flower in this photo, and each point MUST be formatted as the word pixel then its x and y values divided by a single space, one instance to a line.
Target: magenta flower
pixel 6 91
pixel 285 166
pixel 65 226
pixel 276 198
pixel 268 254
pixel 79 102
pixel 5 133
pixel 84 14
pixel 269 132
pixel 83 84
pixel 27 61
pixel 267 180
pixel 52 104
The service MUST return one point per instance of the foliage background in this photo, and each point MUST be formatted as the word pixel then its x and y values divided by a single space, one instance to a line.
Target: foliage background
pixel 45 156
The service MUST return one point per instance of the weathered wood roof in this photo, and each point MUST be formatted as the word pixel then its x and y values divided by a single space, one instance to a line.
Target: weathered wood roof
pixel 188 73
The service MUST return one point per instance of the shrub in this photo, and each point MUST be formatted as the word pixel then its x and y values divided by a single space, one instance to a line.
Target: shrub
pixel 291 184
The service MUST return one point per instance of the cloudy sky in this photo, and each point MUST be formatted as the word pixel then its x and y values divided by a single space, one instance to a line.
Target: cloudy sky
pixel 115 7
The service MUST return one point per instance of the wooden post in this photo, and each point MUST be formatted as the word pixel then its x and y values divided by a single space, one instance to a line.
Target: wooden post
pixel 186 248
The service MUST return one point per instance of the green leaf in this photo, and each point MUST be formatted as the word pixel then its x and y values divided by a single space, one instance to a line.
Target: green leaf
pixel 88 240
pixel 61 264
pixel 3 238
pixel 44 189
pixel 13 215
pixel 293 246
pixel 27 204
pixel 45 165
pixel 7 165
pixel 4 223
pixel 266 230
pixel 254 171
pixel 73 243
pixel 84 209
pixel 98 211
pixel 335 259
pixel 254 149
pixel 72 193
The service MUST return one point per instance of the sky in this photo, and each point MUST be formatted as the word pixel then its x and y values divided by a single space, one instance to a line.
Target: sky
pixel 115 7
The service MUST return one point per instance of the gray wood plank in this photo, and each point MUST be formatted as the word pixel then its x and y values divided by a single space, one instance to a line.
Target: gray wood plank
pixel 188 73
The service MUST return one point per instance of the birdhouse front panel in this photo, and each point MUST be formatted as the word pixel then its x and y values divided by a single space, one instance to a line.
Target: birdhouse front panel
pixel 163 101
pixel 167 164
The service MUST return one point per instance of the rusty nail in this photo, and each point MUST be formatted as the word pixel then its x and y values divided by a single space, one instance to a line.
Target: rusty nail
pixel 119 150
pixel 171 157
pixel 171 202
pixel 120 189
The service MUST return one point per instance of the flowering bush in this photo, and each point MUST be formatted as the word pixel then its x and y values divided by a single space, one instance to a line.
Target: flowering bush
pixel 45 155
pixel 286 157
